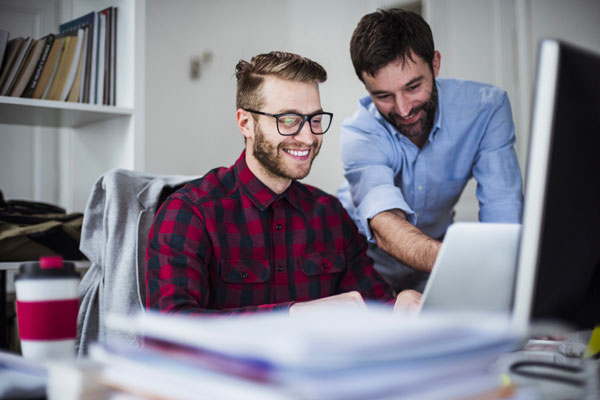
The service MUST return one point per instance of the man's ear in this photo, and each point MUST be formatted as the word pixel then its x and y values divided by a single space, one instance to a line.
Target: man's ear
pixel 437 60
pixel 245 123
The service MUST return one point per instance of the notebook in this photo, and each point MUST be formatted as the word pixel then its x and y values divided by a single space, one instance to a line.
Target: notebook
pixel 475 269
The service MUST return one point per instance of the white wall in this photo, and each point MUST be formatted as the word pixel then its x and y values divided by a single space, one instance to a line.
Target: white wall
pixel 191 124
pixel 495 41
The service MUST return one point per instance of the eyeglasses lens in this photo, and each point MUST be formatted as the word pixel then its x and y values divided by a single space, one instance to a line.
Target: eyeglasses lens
pixel 290 124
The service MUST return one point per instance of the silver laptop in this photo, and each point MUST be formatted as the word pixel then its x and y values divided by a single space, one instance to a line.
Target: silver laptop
pixel 475 269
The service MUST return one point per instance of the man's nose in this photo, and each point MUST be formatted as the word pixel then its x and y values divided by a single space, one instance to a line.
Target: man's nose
pixel 403 106
pixel 305 136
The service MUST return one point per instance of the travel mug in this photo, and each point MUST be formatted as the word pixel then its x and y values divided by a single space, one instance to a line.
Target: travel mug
pixel 47 305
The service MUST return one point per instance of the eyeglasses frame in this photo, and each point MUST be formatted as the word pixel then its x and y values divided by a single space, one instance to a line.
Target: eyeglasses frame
pixel 304 119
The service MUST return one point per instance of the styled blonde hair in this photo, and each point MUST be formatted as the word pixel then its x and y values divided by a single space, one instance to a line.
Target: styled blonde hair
pixel 289 66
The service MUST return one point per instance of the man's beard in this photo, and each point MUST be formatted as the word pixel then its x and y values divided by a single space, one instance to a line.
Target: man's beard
pixel 269 156
pixel 424 124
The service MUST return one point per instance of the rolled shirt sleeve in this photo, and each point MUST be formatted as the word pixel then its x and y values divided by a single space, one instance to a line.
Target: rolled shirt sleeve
pixel 496 169
pixel 370 163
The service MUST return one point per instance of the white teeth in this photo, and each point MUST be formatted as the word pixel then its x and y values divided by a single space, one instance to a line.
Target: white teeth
pixel 298 153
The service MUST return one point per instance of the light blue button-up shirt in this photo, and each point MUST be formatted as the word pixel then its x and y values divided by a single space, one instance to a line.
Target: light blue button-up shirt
pixel 473 136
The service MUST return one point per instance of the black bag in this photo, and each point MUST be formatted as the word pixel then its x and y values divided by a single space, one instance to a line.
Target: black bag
pixel 29 230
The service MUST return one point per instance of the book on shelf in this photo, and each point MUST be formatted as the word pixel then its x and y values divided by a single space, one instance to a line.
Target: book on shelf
pixel 100 60
pixel 3 42
pixel 85 52
pixel 105 67
pixel 37 72
pixel 89 23
pixel 12 50
pixel 68 62
pixel 28 67
pixel 113 58
pixel 50 68
pixel 83 77
pixel 76 91
pixel 109 84
pixel 74 24
pixel 76 64
pixel 58 72
pixel 12 47
pixel 73 67
pixel 22 48
pixel 90 89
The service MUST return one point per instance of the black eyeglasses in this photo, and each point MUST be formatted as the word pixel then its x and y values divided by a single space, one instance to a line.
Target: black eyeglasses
pixel 289 124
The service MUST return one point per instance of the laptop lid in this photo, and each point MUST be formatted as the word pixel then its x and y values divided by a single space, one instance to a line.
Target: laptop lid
pixel 475 269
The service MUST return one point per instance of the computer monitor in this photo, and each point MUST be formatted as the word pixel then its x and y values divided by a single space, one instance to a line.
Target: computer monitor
pixel 558 272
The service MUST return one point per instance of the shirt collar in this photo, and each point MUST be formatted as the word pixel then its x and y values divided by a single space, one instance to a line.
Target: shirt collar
pixel 437 121
pixel 259 194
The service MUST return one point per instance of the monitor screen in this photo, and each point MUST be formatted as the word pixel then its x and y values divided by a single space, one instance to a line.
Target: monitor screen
pixel 558 277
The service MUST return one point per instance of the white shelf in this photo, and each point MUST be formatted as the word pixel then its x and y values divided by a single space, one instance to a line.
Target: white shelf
pixel 51 113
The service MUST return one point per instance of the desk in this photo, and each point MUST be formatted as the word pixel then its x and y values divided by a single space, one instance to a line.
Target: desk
pixel 163 374
pixel 551 373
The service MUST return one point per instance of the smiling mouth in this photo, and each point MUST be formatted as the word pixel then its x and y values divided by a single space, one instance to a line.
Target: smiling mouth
pixel 297 153
pixel 412 118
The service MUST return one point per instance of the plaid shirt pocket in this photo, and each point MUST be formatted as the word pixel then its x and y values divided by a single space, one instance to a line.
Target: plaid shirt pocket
pixel 245 271
pixel 322 263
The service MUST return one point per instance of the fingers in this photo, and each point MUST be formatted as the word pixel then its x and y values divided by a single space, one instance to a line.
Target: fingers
pixel 408 301
pixel 353 299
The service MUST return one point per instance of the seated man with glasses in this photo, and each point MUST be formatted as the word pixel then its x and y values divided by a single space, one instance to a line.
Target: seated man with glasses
pixel 251 237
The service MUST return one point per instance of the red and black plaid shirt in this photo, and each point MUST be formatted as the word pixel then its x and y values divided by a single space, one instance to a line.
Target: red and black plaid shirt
pixel 227 243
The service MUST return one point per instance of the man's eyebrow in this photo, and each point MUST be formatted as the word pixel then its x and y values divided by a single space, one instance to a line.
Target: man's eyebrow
pixel 295 111
pixel 413 81
pixel 378 92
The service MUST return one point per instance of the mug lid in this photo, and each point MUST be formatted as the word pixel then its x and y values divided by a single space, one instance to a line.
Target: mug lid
pixel 47 268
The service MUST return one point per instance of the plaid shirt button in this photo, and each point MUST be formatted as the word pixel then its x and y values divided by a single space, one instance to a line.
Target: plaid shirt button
pixel 280 268
pixel 278 227
pixel 244 275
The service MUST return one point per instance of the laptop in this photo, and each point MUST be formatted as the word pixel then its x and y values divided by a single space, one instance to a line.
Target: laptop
pixel 475 269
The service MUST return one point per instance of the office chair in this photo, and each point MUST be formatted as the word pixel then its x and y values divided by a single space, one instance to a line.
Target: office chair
pixel 117 219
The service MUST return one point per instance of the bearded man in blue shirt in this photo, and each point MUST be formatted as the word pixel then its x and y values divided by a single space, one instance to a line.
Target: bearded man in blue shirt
pixel 413 144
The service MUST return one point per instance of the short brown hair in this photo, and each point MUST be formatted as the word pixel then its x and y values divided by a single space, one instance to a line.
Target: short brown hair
pixel 289 66
pixel 385 36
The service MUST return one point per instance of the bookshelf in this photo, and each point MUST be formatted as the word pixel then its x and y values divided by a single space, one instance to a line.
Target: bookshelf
pixel 92 138
pixel 57 114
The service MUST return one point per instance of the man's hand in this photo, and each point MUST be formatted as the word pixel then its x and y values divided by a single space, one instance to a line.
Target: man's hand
pixel 349 299
pixel 403 240
pixel 407 301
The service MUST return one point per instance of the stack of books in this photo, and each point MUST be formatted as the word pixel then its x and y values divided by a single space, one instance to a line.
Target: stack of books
pixel 77 64
pixel 335 353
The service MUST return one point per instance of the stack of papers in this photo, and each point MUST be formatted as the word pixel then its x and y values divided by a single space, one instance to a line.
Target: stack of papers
pixel 334 353
pixel 21 378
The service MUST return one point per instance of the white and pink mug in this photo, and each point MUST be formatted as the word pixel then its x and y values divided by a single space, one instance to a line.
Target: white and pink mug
pixel 47 307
